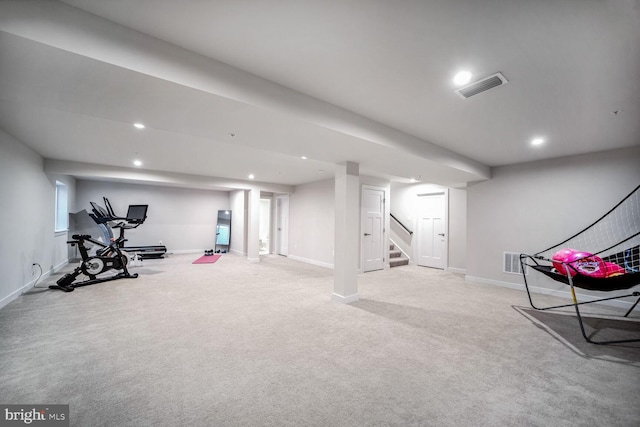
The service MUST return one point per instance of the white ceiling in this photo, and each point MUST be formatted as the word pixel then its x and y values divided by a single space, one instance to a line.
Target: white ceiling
pixel 382 70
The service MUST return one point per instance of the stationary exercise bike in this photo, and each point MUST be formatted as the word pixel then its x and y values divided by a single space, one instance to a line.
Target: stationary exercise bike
pixel 110 257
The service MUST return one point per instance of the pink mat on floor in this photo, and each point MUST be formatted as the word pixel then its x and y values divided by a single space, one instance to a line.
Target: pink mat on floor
pixel 206 259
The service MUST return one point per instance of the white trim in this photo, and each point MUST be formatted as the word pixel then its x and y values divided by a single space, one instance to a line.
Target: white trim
pixel 554 292
pixel 29 285
pixel 311 261
pixel 237 252
pixel 61 213
pixel 185 251
pixel 15 294
pixel 456 270
pixel 400 249
pixel 345 300
pixel 416 228
pixel 58 267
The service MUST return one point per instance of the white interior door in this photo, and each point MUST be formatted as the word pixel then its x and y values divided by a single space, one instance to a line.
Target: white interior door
pixel 432 229
pixel 282 215
pixel 372 229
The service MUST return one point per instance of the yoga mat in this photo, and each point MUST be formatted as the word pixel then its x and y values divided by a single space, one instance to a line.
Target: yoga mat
pixel 206 259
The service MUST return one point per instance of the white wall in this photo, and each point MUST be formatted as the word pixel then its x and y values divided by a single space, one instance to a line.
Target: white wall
pixel 457 229
pixel 264 230
pixel 27 219
pixel 312 222
pixel 404 199
pixel 529 207
pixel 63 251
pixel 184 220
pixel 238 206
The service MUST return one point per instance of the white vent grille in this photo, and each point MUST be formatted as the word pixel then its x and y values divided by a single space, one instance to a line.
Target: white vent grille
pixel 483 85
pixel 511 263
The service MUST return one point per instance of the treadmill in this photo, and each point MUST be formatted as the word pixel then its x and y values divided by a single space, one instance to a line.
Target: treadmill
pixel 136 215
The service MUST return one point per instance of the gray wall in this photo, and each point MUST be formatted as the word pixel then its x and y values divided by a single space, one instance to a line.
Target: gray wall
pixel 457 229
pixel 27 219
pixel 529 207
pixel 311 223
pixel 238 203
pixel 183 219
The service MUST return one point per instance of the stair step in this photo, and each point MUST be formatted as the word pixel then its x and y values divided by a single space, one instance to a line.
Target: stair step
pixel 396 262
pixel 396 257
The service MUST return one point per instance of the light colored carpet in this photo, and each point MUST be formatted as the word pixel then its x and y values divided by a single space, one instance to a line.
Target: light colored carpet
pixel 262 344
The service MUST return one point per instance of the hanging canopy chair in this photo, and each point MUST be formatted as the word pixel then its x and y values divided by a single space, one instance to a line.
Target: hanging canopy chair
pixel 603 257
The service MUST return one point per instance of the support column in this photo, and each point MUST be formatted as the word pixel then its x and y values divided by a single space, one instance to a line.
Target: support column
pixel 253 225
pixel 347 232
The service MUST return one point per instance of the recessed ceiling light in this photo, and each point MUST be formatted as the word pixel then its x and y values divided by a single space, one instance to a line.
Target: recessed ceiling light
pixel 137 163
pixel 304 157
pixel 139 125
pixel 413 180
pixel 251 176
pixel 462 78
pixel 537 141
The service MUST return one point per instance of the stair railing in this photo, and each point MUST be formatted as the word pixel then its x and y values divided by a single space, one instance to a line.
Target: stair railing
pixel 401 224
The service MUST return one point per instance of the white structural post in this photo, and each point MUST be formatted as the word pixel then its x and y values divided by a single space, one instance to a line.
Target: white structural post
pixel 253 226
pixel 347 229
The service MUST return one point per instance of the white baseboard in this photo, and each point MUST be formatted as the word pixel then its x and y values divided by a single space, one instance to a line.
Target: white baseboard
pixel 546 291
pixel 345 300
pixel 185 251
pixel 237 252
pixel 15 294
pixel 29 285
pixel 457 270
pixel 311 261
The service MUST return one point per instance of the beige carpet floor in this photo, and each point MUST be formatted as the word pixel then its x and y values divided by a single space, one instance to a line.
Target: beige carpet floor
pixel 262 344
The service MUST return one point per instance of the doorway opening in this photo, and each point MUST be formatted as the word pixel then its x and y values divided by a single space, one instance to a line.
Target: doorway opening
pixel 264 230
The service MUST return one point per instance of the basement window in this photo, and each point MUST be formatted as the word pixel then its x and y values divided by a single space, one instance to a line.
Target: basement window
pixel 62 207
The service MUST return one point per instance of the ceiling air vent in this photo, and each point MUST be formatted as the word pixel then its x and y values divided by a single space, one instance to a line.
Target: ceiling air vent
pixel 483 85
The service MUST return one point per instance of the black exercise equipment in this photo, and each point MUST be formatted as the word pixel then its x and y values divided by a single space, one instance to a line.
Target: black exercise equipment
pixel 613 242
pixel 109 257
pixel 136 215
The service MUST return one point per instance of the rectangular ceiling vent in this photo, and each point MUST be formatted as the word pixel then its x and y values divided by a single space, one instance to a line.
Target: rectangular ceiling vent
pixel 483 85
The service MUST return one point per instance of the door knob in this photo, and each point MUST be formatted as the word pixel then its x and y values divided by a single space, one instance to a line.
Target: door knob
pixel 367 234
pixel 441 234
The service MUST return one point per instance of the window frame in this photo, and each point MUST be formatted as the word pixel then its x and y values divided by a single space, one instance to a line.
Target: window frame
pixel 61 219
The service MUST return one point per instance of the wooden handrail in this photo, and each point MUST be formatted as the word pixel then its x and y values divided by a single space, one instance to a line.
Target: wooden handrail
pixel 401 224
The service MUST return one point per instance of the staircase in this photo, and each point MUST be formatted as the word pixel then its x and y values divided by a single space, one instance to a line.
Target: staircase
pixel 396 258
